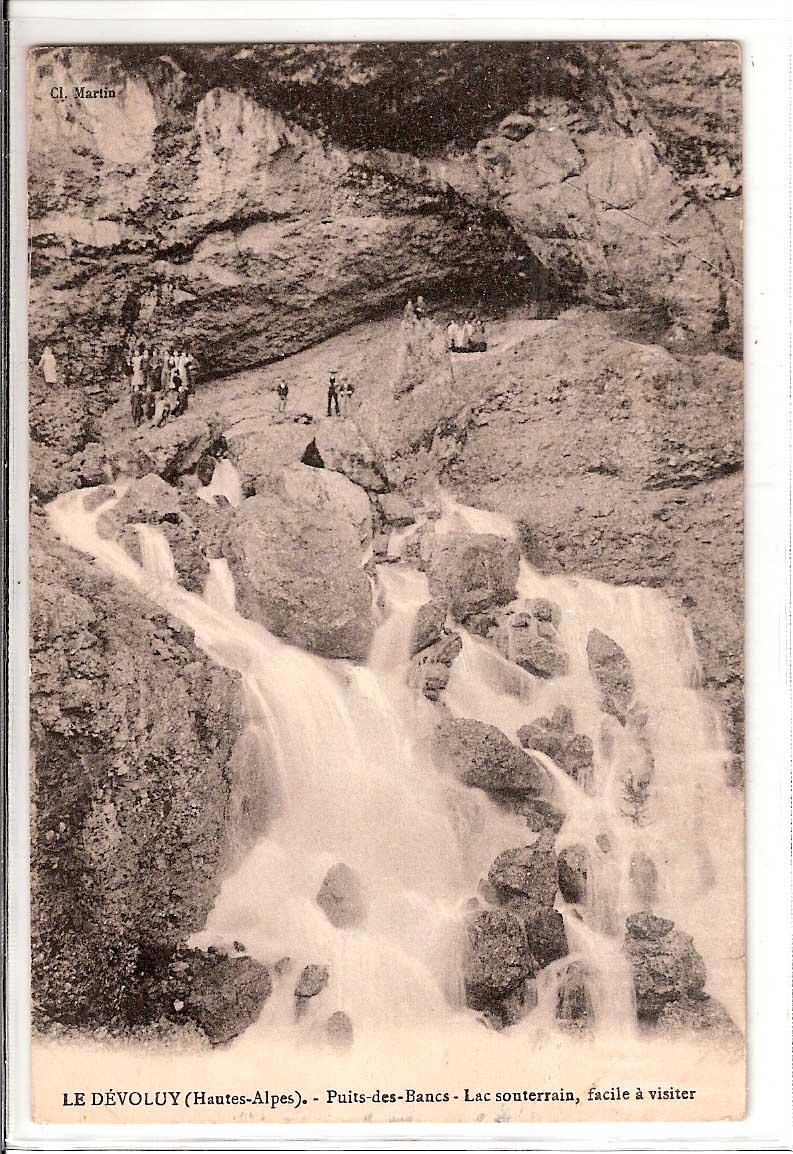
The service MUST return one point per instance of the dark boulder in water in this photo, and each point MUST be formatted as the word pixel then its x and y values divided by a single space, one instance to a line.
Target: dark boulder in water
pixel 220 995
pixel 482 756
pixel 341 897
pixel 497 959
pixel 297 570
pixel 611 670
pixel 312 981
pixel 546 936
pixel 555 737
pixel 665 965
pixel 432 667
pixel 527 878
pixel 573 874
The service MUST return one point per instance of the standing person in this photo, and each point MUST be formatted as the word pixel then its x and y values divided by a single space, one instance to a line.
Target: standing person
pixel 184 392
pixel 190 368
pixel 136 403
pixel 478 338
pixel 167 369
pixel 172 397
pixel 333 395
pixel 421 308
pixel 48 366
pixel 137 366
pixel 452 336
pixel 283 394
pixel 154 371
pixel 149 400
pixel 467 334
pixel 347 392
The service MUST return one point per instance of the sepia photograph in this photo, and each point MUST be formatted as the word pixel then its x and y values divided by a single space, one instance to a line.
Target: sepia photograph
pixel 386 581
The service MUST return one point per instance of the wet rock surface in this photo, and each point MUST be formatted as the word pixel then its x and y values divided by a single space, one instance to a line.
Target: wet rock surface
pixel 428 626
pixel 497 960
pixel 666 966
pixel 555 737
pixel 611 670
pixel 482 756
pixel 431 668
pixel 526 878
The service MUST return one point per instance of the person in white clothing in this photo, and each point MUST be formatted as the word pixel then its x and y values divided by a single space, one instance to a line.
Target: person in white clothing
pixel 49 366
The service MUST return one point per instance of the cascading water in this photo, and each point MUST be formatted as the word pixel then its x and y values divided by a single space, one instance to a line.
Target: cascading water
pixel 349 780
pixel 692 828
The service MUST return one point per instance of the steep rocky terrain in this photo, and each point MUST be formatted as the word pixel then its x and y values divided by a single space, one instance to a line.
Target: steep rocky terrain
pixel 272 208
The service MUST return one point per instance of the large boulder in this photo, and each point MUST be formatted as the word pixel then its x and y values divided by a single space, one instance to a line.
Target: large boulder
pixel 530 638
pixel 497 959
pixel 221 995
pixel 170 451
pixel 297 571
pixel 342 448
pixel 473 571
pixel 612 672
pixel 341 897
pixel 665 965
pixel 329 493
pixel 526 878
pixel 482 756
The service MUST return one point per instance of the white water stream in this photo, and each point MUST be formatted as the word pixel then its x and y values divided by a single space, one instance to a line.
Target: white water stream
pixel 348 777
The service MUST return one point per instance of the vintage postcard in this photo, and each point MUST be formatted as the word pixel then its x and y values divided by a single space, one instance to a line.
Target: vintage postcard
pixel 386 582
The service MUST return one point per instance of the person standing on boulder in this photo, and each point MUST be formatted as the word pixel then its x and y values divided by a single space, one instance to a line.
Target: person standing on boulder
pixel 333 395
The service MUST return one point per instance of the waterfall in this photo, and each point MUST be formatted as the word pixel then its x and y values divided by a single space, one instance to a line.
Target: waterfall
pixel 352 782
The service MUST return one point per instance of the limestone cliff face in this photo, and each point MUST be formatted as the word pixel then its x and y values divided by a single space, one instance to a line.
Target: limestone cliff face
pixel 132 729
pixel 254 201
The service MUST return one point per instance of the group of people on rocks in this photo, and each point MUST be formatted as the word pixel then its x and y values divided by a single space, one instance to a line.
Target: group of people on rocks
pixel 466 337
pixel 160 382
pixel 462 335
pixel 339 395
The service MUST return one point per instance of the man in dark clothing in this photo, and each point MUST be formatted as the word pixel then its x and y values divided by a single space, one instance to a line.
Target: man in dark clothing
pixel 136 404
pixel 333 395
